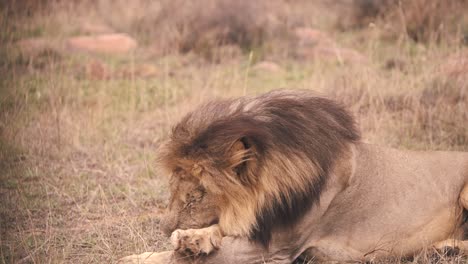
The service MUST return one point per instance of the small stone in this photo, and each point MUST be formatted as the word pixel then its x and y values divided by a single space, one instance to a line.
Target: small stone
pixel 267 66
pixel 309 36
pixel 97 70
pixel 34 46
pixel 144 70
pixel 395 63
pixel 117 43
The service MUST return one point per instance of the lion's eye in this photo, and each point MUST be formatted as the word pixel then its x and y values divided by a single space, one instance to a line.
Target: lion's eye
pixel 197 196
pixel 179 172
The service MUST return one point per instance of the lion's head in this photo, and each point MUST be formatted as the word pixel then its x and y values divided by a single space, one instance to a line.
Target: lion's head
pixel 190 206
pixel 264 160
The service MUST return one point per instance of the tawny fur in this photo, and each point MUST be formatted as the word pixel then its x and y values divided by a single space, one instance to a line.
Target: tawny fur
pixel 366 202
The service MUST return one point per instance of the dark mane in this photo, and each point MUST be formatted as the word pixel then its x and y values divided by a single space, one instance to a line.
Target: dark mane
pixel 317 127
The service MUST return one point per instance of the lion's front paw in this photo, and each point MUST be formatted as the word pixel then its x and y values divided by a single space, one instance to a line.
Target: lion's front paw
pixel 197 241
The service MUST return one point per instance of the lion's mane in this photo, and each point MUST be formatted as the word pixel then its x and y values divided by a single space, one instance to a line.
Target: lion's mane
pixel 267 157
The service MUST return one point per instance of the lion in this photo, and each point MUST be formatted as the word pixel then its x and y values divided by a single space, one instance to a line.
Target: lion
pixel 286 175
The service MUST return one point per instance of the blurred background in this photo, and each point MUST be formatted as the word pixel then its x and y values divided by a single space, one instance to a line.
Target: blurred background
pixel 89 89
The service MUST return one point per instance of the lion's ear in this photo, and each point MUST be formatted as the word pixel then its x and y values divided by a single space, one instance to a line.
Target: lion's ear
pixel 242 160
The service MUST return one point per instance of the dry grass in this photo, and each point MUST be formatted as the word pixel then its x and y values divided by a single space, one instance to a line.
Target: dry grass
pixel 77 181
pixel 423 21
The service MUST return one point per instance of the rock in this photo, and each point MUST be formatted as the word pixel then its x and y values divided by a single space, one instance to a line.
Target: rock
pixel 97 70
pixel 311 37
pixel 395 63
pixel 117 43
pixel 32 44
pixel 267 66
pixel 145 70
pixel 32 47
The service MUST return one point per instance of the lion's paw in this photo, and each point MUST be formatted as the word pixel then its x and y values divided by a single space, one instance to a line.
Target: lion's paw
pixel 196 241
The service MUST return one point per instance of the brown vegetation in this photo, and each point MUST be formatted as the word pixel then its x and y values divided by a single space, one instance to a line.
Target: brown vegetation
pixel 419 19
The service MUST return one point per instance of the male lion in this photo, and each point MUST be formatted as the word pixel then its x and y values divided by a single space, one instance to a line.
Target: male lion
pixel 285 174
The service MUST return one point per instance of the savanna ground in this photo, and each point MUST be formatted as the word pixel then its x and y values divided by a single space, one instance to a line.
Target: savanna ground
pixel 79 130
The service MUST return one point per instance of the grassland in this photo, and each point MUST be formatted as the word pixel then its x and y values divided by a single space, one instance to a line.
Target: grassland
pixel 77 176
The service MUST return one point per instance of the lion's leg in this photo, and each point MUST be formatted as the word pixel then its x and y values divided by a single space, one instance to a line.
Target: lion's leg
pixel 242 250
pixel 148 258
pixel 453 245
pixel 232 251
pixel 464 197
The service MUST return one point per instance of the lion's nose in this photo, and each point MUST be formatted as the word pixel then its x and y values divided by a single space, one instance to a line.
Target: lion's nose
pixel 168 224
